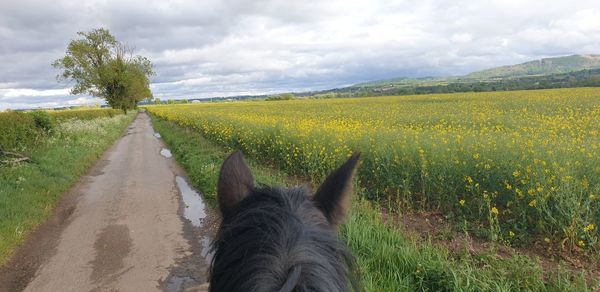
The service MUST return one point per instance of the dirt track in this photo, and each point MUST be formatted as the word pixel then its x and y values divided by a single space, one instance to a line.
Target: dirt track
pixel 119 229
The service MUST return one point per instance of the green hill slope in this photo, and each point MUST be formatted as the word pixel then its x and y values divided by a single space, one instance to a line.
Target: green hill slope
pixel 545 66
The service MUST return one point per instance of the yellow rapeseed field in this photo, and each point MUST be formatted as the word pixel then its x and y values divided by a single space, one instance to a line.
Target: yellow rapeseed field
pixel 524 163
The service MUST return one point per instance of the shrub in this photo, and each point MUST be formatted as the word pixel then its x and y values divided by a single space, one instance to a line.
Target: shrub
pixel 17 130
pixel 85 114
pixel 20 130
pixel 43 121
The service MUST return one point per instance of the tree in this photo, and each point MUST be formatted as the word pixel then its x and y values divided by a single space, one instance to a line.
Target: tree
pixel 148 100
pixel 283 96
pixel 103 67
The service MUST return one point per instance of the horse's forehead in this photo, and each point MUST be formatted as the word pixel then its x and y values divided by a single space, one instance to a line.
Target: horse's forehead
pixel 294 195
pixel 304 207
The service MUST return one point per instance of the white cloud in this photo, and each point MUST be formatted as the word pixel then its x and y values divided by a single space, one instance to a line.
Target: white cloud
pixel 461 38
pixel 17 92
pixel 48 102
pixel 230 47
pixel 27 98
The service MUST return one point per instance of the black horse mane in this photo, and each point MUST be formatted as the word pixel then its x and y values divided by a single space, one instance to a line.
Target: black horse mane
pixel 276 240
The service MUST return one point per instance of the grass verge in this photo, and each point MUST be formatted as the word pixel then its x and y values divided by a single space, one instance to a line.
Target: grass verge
pixel 29 192
pixel 388 259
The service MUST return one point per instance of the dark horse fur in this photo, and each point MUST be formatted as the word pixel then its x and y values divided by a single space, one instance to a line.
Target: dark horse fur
pixel 276 239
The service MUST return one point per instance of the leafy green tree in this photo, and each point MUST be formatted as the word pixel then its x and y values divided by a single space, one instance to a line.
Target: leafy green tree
pixel 104 67
pixel 283 96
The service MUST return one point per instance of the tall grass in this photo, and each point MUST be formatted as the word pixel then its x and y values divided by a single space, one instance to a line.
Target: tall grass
pixel 20 131
pixel 85 113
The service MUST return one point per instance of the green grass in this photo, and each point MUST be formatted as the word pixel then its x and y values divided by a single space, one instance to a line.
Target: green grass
pixel 202 160
pixel 29 192
pixel 388 259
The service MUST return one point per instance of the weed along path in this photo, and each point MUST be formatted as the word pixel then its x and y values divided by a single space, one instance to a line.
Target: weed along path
pixel 131 224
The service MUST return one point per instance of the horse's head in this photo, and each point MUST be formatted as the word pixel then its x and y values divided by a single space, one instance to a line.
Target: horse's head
pixel 275 239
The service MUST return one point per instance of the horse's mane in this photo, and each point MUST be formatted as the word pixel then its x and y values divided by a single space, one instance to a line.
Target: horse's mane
pixel 276 240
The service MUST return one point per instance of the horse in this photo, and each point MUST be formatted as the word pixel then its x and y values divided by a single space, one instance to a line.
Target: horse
pixel 282 239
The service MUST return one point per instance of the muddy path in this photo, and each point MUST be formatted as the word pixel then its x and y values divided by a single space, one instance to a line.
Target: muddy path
pixel 132 223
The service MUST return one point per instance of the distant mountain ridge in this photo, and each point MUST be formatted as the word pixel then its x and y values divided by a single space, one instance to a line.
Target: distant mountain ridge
pixel 541 67
pixel 544 66
pixel 558 72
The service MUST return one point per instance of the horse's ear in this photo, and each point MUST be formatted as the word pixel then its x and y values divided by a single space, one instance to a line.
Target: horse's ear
pixel 333 196
pixel 235 181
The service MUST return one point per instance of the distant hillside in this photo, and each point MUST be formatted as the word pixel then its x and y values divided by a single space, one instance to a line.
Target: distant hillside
pixel 545 66
pixel 582 78
pixel 567 71
pixel 559 72
pixel 405 81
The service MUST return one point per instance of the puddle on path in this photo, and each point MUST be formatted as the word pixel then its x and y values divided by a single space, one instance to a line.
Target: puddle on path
pixel 157 135
pixel 176 283
pixel 166 153
pixel 206 252
pixel 195 209
pixel 191 273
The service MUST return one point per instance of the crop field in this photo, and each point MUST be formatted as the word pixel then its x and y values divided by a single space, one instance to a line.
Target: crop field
pixel 524 165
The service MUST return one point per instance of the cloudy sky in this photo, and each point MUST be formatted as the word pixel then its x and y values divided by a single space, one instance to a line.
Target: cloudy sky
pixel 211 48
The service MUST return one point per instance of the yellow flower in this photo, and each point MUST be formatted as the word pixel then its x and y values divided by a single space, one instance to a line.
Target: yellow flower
pixel 462 202
pixel 516 173
pixel 533 203
pixel 581 243
pixel 495 210
pixel 519 192
pixel 585 183
pixel 476 156
pixel 511 234
pixel 469 179
pixel 589 228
